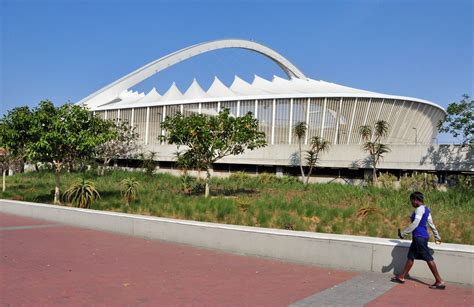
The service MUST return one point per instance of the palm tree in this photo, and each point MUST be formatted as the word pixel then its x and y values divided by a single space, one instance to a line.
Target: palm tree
pixel 381 129
pixel 300 132
pixel 373 143
pixel 365 132
pixel 82 193
pixel 318 145
pixel 129 190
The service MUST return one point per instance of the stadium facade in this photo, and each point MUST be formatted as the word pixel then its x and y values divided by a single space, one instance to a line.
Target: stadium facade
pixel 331 111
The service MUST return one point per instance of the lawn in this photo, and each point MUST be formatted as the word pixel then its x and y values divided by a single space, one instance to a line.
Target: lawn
pixel 266 201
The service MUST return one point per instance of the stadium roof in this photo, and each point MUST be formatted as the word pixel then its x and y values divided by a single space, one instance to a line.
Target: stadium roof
pixel 259 88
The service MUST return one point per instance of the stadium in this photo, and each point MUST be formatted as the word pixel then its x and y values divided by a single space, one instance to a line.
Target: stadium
pixel 331 111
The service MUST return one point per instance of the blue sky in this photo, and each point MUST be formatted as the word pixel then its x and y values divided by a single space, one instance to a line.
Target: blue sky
pixel 65 50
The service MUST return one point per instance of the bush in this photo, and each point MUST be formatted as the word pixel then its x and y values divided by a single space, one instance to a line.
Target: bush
pixel 239 177
pixel 267 178
pixel 187 183
pixel 419 182
pixel 462 182
pixel 82 193
pixel 129 189
pixel 148 161
pixel 387 180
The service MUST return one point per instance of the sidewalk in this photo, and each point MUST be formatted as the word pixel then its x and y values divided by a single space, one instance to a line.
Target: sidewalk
pixel 53 264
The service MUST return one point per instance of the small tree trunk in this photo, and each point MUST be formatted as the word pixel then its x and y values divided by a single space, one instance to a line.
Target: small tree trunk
pixel 57 193
pixel 106 164
pixel 208 177
pixel 374 172
pixel 301 161
pixel 311 169
pixel 4 187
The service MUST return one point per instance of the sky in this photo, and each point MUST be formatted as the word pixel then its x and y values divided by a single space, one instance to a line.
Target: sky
pixel 65 50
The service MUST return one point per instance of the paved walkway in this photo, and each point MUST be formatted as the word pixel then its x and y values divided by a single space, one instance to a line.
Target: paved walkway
pixel 44 263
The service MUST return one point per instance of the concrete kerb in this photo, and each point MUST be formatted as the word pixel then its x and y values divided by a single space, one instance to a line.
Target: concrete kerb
pixel 364 254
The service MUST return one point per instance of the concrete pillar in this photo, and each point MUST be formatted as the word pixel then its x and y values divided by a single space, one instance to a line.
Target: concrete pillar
pixel 279 171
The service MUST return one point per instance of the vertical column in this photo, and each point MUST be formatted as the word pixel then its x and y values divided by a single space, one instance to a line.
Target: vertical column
pixel 105 114
pixel 118 116
pixel 147 124
pixel 336 135
pixel 352 122
pixel 425 124
pixel 395 123
pixel 133 117
pixel 290 120
pixel 238 108
pixel 273 121
pixel 163 131
pixel 307 121
pixel 380 110
pixel 181 109
pixel 321 134
pixel 218 106
pixel 410 121
pixel 256 108
pixel 391 110
pixel 404 124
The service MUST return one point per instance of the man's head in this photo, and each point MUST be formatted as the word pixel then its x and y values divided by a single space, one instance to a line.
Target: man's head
pixel 416 199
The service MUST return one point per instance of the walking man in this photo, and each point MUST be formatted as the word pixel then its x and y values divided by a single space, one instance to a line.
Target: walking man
pixel 420 237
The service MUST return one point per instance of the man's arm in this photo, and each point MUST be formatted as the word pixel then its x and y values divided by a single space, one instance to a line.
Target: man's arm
pixel 418 215
pixel 433 228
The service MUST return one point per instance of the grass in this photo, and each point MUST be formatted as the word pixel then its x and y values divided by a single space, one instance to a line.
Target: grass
pixel 265 201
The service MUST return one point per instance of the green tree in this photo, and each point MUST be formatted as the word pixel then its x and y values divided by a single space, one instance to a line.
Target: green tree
pixel 64 135
pixel 300 132
pixel 208 139
pixel 372 138
pixel 16 131
pixel 5 161
pixel 460 120
pixel 318 145
pixel 124 145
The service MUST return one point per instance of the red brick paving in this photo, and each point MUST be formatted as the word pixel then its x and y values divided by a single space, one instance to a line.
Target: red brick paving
pixel 13 220
pixel 72 266
pixel 65 265
pixel 414 293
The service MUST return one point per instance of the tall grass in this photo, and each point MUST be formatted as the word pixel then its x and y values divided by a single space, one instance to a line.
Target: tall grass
pixel 266 201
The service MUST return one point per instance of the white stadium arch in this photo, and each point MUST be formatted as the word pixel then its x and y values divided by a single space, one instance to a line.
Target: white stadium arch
pixel 111 91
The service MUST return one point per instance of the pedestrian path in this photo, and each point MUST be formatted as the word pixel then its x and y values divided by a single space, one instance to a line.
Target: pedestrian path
pixel 44 263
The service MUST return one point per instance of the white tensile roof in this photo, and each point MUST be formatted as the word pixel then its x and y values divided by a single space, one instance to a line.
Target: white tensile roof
pixel 260 88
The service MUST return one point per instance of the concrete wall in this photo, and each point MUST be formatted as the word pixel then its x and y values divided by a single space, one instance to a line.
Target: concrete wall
pixel 455 261
pixel 402 156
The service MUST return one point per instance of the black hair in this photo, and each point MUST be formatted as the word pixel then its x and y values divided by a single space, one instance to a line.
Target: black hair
pixel 417 195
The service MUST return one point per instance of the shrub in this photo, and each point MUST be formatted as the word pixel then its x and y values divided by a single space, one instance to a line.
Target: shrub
pixel 419 182
pixel 239 177
pixel 387 180
pixel 148 161
pixel 267 178
pixel 82 193
pixel 187 183
pixel 462 182
pixel 129 189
